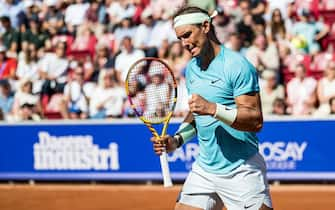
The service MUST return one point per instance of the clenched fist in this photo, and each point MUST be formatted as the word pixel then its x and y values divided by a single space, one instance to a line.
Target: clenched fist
pixel 201 106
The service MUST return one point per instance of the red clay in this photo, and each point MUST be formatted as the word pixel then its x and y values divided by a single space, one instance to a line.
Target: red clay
pixel 139 197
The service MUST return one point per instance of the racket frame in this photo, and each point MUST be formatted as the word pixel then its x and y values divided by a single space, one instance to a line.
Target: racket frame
pixel 167 181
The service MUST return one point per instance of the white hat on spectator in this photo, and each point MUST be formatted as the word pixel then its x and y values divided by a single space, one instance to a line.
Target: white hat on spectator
pixel 50 3
pixel 147 12
pixel 28 3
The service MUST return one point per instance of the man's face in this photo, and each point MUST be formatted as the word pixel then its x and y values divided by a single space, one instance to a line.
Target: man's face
pixel 193 38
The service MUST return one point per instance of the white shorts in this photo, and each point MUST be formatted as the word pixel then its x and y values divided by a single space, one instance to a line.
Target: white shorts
pixel 245 187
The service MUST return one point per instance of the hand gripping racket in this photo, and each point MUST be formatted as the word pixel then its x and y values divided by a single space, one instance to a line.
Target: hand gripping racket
pixel 152 92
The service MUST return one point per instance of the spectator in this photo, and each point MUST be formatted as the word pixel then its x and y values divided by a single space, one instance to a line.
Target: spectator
pixel 178 58
pixel 108 98
pixel 75 15
pixel 224 26
pixel 124 29
pixel 6 98
pixel 126 58
pixel 326 89
pixel 34 34
pixel 53 70
pixel 259 24
pixel 92 13
pixel 7 65
pixel 146 37
pixel 258 7
pixel 28 67
pixel 156 88
pixel 76 96
pixel 279 107
pixel 301 93
pixel 244 28
pixel 53 17
pixel 10 38
pixel 26 106
pixel 307 33
pixel 164 50
pixel 263 55
pixel 85 40
pixel 277 27
pixel 103 60
pixel 11 9
pixel 31 12
pixel 234 42
pixel 161 8
pixel 270 91
pixel 119 10
pixel 243 10
pixel 283 6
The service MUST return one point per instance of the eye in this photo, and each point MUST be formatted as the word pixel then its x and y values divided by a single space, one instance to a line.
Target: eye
pixel 185 35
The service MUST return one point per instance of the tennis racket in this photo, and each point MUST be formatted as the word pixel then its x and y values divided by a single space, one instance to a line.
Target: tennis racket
pixel 152 92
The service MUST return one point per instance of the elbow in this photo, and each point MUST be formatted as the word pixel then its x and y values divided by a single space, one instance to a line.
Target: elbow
pixel 258 124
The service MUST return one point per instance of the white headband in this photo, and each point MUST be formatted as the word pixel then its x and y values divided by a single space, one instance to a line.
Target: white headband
pixel 192 18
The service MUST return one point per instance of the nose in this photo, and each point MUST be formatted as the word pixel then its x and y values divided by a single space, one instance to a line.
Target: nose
pixel 185 43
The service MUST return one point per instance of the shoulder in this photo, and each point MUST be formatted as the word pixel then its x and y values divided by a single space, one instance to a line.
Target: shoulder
pixel 235 62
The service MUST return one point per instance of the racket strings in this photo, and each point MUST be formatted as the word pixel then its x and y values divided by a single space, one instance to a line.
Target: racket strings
pixel 153 90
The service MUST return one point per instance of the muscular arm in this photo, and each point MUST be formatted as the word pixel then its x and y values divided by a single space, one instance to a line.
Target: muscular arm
pixel 249 113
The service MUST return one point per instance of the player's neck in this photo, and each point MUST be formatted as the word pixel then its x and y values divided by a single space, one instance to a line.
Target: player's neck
pixel 210 51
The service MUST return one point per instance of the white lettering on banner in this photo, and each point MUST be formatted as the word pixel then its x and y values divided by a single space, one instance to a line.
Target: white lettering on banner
pixel 282 155
pixel 73 153
pixel 186 154
pixel 189 154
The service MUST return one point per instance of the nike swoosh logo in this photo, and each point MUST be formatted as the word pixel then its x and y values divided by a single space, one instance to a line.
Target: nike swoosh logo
pixel 249 206
pixel 214 81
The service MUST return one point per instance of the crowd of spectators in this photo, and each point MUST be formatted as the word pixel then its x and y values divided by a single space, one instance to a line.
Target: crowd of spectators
pixel 68 59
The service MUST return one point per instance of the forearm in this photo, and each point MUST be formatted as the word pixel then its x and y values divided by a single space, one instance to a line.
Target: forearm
pixel 248 119
pixel 243 118
pixel 247 116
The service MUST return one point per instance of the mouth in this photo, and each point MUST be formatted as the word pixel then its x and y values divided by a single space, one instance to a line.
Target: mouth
pixel 191 49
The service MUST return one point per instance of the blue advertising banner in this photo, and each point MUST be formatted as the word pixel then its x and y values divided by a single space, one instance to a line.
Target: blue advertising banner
pixel 121 150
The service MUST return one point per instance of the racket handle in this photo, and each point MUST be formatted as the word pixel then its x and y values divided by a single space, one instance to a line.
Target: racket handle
pixel 165 170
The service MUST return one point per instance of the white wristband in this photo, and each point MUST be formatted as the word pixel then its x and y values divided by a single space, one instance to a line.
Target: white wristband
pixel 225 114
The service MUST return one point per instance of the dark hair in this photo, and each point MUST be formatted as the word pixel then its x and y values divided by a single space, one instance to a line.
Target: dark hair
pixel 5 19
pixel 192 9
pixel 277 27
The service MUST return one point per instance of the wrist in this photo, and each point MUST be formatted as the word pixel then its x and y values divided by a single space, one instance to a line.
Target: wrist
pixel 178 140
pixel 225 114
pixel 186 132
pixel 212 109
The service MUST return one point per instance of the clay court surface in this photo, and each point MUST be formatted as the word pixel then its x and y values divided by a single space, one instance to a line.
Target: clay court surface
pixel 142 197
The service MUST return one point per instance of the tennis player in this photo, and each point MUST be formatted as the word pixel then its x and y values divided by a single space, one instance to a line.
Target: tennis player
pixel 225 114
